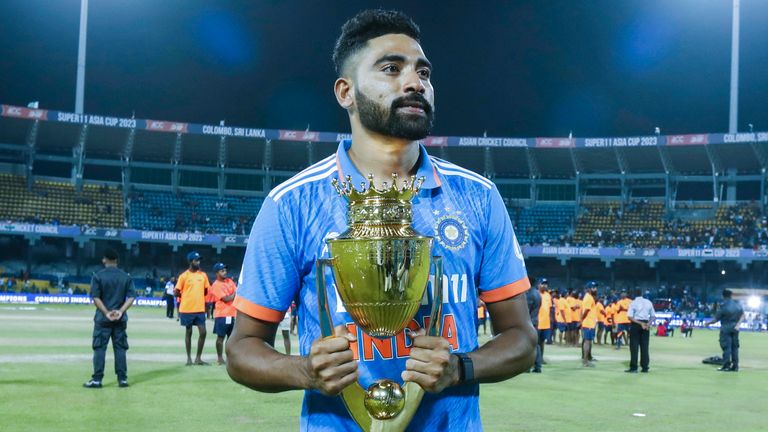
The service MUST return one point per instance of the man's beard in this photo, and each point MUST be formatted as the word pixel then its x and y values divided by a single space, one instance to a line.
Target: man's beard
pixel 393 124
pixel 194 266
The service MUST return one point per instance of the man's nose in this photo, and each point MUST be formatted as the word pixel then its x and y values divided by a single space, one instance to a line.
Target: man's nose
pixel 414 83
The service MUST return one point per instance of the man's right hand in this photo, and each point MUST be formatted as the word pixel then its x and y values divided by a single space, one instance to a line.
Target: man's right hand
pixel 331 364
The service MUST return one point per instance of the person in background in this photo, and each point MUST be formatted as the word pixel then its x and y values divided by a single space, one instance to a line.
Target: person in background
pixel 192 287
pixel 730 314
pixel 533 298
pixel 544 325
pixel 560 317
pixel 641 315
pixel 588 323
pixel 621 319
pixel 113 294
pixel 686 329
pixel 482 315
pixel 601 319
pixel 223 291
pixel 169 297
pixel 285 329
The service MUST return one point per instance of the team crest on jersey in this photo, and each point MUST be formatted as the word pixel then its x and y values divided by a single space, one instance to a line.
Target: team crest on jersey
pixel 451 232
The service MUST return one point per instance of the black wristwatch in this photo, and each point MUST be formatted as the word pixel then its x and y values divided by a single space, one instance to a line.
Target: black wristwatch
pixel 466 368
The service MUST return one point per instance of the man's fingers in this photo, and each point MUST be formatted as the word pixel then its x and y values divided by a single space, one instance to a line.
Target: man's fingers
pixel 427 368
pixel 342 331
pixel 335 386
pixel 438 355
pixel 330 345
pixel 427 382
pixel 430 342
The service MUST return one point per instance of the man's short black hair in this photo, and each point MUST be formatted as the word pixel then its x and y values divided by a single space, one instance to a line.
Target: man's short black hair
pixel 727 293
pixel 110 254
pixel 367 25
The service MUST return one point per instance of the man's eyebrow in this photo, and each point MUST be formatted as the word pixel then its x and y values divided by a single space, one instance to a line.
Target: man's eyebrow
pixel 397 58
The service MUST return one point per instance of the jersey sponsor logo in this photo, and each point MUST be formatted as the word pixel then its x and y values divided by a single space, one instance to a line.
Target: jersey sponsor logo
pixel 451 232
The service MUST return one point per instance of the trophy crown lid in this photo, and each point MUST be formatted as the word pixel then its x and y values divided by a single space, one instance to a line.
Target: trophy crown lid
pixel 369 191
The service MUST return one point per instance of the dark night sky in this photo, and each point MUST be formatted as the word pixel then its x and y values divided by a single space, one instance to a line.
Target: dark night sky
pixel 522 69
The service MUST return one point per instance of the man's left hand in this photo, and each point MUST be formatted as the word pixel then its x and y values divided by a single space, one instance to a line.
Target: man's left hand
pixel 431 364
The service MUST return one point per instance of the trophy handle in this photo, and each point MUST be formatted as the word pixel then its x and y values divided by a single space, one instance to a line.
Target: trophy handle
pixel 325 317
pixel 354 395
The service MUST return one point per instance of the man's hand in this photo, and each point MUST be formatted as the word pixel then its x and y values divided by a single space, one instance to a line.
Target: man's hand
pixel 332 366
pixel 431 364
pixel 645 326
pixel 114 315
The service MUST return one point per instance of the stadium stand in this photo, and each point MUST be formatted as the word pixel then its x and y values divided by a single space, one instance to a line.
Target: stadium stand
pixel 543 224
pixel 57 202
pixel 192 212
pixel 647 224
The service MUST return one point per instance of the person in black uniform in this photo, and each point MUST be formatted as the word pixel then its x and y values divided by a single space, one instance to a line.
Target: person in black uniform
pixel 730 314
pixel 113 293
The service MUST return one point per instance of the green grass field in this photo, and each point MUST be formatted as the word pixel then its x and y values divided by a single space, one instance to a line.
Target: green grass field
pixel 45 356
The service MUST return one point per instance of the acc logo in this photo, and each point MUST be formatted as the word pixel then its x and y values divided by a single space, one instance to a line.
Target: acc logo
pixel 451 232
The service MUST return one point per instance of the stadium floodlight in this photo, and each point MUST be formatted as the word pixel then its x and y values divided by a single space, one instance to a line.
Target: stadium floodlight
pixel 722 272
pixel 754 302
pixel 80 86
pixel 733 118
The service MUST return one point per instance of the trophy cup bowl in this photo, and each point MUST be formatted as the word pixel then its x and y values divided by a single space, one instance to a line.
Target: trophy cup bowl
pixel 381 281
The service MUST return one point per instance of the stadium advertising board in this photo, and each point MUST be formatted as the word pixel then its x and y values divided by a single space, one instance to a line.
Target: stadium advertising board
pixel 69 299
pixel 314 136
pixel 73 231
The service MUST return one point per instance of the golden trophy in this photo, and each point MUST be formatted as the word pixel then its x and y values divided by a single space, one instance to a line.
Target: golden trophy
pixel 381 266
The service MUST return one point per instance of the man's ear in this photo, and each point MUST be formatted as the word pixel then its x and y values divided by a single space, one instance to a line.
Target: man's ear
pixel 343 90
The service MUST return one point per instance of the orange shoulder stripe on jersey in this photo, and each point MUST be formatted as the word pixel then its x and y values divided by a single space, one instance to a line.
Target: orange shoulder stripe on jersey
pixel 256 311
pixel 437 178
pixel 507 291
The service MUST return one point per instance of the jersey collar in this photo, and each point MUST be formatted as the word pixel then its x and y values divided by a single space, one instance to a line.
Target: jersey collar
pixel 345 167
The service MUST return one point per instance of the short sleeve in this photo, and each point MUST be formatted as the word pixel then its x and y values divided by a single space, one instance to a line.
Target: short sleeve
pixel 207 282
pixel 95 286
pixel 180 283
pixel 130 290
pixel 270 277
pixel 502 271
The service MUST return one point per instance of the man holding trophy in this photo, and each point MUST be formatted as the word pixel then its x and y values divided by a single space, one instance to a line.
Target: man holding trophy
pixel 385 275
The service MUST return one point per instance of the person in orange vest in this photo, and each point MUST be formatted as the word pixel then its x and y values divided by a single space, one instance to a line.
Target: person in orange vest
pixel 482 317
pixel 192 287
pixel 601 317
pixel 544 325
pixel 622 320
pixel 560 316
pixel 223 292
pixel 588 323
pixel 572 314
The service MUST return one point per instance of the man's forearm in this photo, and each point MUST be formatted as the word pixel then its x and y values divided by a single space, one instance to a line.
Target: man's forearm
pixel 127 304
pixel 252 362
pixel 506 355
pixel 100 305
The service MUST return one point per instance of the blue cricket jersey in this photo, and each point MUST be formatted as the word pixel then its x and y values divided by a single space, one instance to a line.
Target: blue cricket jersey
pixel 464 213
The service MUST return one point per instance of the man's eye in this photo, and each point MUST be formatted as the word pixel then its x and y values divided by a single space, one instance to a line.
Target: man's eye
pixel 390 68
pixel 425 73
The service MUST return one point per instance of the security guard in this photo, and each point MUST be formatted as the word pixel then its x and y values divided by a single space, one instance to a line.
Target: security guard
pixel 730 314
pixel 113 293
